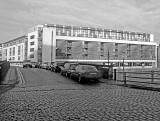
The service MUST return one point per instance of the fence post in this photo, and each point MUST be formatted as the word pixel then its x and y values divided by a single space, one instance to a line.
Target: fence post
pixel 152 76
pixel 124 78
pixel 114 75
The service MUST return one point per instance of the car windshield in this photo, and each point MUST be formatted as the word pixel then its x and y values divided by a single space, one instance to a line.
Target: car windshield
pixel 89 68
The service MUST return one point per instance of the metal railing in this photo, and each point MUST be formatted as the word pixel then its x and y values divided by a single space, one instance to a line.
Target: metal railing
pixel 147 77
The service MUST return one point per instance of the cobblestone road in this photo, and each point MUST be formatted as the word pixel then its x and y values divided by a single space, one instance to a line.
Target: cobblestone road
pixel 63 99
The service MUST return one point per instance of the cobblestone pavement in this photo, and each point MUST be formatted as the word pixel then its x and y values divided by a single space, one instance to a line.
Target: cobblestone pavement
pixel 70 100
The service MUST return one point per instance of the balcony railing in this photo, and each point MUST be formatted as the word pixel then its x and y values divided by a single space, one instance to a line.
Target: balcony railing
pixel 101 33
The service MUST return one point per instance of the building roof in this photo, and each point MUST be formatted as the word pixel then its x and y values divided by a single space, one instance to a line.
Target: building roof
pixel 24 36
pixel 91 28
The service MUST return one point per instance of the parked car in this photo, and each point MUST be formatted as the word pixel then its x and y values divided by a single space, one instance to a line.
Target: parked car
pixel 67 67
pixel 27 65
pixel 58 68
pixel 33 65
pixel 69 70
pixel 44 66
pixel 83 72
pixel 48 67
pixel 37 65
pixel 52 67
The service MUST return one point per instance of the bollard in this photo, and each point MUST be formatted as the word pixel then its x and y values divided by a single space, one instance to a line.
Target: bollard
pixel 124 78
pixel 114 75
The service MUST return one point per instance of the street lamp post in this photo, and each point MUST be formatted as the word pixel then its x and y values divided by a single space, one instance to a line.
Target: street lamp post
pixel 124 74
pixel 108 58
pixel 123 65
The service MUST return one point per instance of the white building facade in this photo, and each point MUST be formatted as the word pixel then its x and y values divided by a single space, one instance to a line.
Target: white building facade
pixel 58 43
pixel 95 45
pixel 15 50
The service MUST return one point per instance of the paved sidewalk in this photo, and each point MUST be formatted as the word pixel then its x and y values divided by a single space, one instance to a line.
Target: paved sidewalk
pixel 10 80
pixel 11 76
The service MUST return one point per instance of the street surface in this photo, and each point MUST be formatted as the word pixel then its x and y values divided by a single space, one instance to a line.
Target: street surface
pixel 48 96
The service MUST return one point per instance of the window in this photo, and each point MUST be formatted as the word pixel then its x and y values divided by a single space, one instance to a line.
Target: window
pixel 10 51
pixel 113 34
pixel 119 35
pixel 32 37
pixel 31 43
pixel 19 48
pixel 32 56
pixel 85 45
pixel 39 34
pixel 18 57
pixel 31 49
pixel 6 52
pixel 13 51
pixel 20 41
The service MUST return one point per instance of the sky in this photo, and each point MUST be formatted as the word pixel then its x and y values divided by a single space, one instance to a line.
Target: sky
pixel 18 16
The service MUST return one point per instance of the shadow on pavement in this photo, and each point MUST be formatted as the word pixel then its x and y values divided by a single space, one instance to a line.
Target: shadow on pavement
pixel 88 82
pixel 140 87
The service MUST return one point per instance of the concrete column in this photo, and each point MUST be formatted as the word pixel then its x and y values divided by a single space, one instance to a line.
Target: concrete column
pixel 49 44
pixel 156 55
pixel 53 49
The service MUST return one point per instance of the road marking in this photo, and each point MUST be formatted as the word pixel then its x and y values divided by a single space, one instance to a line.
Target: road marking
pixel 23 81
pixel 21 78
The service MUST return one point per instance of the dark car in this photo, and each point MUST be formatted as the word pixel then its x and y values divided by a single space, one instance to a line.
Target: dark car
pixel 67 67
pixel 70 69
pixel 27 65
pixel 57 67
pixel 83 72
pixel 37 65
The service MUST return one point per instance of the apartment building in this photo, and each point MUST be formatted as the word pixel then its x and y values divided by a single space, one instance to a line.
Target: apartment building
pixel 15 50
pixel 35 44
pixel 59 43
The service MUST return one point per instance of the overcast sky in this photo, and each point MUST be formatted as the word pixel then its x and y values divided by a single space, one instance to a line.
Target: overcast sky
pixel 17 16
